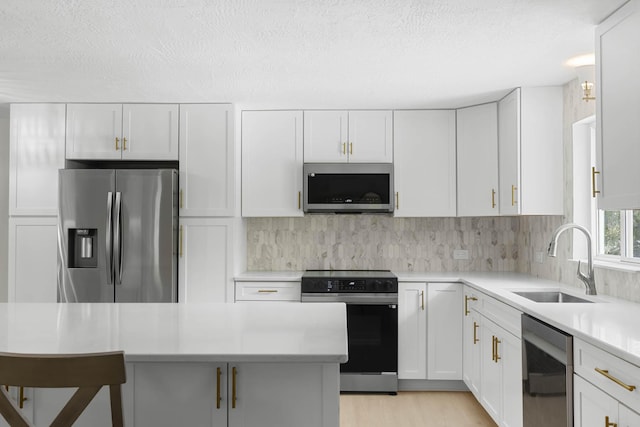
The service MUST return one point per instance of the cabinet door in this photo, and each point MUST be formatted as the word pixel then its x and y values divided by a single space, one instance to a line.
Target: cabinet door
pixel 36 152
pixel 325 136
pixel 509 351
pixel 207 160
pixel 94 131
pixel 509 153
pixel 618 108
pixel 370 136
pixel 471 356
pixel 33 262
pixel 205 260
pixel 272 163
pixel 281 394
pixel 412 330
pixel 591 405
pixel 424 156
pixel 491 378
pixel 444 331
pixel 150 132
pixel 477 130
pixel 165 392
pixel 627 417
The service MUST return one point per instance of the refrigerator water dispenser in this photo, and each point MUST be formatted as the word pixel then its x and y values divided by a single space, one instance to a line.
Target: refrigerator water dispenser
pixel 82 242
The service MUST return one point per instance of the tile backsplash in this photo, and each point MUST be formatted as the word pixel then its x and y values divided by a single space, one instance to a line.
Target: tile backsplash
pixel 382 242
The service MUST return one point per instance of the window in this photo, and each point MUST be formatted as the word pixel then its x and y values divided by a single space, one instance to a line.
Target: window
pixel 619 234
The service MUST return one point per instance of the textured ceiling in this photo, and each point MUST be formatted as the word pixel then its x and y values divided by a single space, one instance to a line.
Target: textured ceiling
pixel 290 53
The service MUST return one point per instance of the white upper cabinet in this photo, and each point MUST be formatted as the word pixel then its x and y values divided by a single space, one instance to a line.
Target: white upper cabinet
pixel 530 151
pixel 348 136
pixel 618 108
pixel 424 152
pixel 272 163
pixel 122 132
pixel 477 132
pixel 207 160
pixel 36 153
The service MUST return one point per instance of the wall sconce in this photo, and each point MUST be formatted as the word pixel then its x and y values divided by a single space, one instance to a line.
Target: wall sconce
pixel 586 77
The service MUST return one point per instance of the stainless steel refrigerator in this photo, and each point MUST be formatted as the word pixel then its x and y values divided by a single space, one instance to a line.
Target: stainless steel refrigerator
pixel 117 235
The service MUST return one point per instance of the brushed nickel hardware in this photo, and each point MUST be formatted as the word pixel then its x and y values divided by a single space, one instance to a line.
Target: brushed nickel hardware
pixel 124 143
pixel 181 240
pixel 181 199
pixel 497 352
pixel 218 397
pixel 117 146
pixel 606 373
pixel 594 172
pixel 467 298
pixel 22 398
pixel 351 148
pixel 234 374
pixel 397 200
pixel 608 423
pixel 513 195
pixel 475 332
pixel 493 198
pixel 589 278
pixel 267 291
pixel 422 300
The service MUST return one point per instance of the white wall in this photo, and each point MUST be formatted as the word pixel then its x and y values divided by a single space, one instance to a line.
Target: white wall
pixel 4 203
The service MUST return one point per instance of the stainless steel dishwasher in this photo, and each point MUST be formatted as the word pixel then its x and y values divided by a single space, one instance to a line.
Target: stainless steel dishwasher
pixel 547 375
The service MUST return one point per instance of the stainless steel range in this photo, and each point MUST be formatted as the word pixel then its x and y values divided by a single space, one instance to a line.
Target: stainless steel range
pixel 372 324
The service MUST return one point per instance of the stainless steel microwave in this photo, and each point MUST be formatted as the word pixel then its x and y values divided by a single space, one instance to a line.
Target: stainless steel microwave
pixel 348 187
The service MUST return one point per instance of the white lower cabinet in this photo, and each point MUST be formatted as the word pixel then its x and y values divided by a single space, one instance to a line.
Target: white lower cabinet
pixel 267 291
pixel 33 260
pixel 444 331
pixel 412 330
pixel 595 408
pixel 471 352
pixel 205 260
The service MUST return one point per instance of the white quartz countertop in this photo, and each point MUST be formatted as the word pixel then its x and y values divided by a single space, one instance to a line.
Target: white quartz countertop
pixel 273 332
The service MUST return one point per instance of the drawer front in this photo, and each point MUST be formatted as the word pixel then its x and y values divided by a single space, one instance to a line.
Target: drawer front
pixel 502 314
pixel 608 372
pixel 268 291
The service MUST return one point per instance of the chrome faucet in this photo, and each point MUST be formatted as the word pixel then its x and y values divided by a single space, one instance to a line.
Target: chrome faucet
pixel 587 279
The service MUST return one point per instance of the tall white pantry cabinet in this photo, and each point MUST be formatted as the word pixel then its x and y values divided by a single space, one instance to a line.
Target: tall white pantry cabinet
pixel 39 134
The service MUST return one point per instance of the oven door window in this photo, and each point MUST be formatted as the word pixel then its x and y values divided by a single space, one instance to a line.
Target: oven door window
pixel 372 332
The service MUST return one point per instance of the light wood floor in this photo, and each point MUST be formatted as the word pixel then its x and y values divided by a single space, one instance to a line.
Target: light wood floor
pixel 413 409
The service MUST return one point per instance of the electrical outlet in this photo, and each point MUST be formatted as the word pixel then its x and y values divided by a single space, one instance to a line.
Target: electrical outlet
pixel 460 254
pixel 539 257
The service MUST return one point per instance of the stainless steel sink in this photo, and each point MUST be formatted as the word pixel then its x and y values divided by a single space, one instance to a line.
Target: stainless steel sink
pixel 550 296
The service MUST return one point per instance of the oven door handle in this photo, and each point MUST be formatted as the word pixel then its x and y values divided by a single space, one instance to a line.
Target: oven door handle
pixel 368 299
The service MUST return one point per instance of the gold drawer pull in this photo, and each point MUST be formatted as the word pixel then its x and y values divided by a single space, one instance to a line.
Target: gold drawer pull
pixel 606 373
pixel 267 291
pixel 466 303
pixel 608 423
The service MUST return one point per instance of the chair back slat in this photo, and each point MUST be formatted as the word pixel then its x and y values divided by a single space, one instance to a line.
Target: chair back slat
pixel 88 372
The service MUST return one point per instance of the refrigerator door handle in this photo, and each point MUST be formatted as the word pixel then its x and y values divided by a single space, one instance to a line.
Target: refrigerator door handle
pixel 108 239
pixel 117 235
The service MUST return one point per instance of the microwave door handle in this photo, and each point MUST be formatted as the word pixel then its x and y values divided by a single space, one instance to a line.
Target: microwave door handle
pixel 109 239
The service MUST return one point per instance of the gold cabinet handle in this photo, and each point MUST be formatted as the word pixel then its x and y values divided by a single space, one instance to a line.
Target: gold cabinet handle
pixel 467 298
pixel 124 143
pixel 475 332
pixel 267 291
pixel 350 148
pixel 299 199
pixel 497 352
pixel 117 146
pixel 606 373
pixel 234 374
pixel 513 195
pixel 397 200
pixel 607 423
pixel 422 300
pixel 22 398
pixel 181 199
pixel 594 172
pixel 493 198
pixel 218 394
pixel 493 348
pixel 181 241
pixel 344 148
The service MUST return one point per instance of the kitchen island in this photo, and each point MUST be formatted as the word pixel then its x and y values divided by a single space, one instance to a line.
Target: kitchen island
pixel 194 364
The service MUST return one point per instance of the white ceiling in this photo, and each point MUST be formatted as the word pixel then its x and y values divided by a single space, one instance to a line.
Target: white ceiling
pixel 290 53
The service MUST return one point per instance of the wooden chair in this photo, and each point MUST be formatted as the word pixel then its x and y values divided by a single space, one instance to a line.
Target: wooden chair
pixel 89 372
